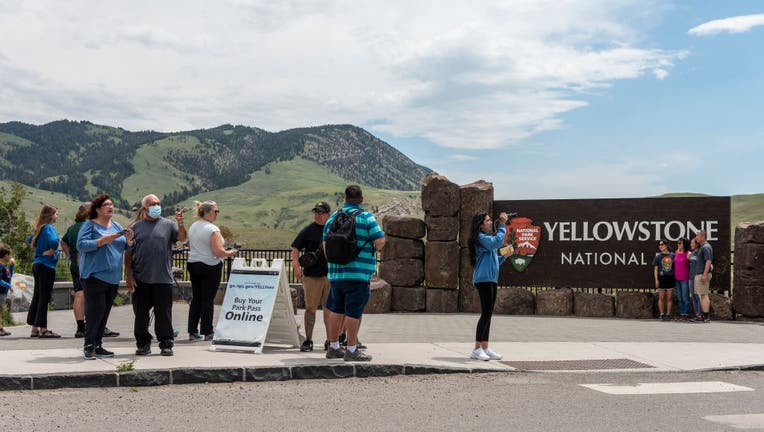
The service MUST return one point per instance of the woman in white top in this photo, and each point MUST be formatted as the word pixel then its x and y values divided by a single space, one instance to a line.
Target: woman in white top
pixel 205 266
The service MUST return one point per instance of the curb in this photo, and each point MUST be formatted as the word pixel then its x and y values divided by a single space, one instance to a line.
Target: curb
pixel 159 377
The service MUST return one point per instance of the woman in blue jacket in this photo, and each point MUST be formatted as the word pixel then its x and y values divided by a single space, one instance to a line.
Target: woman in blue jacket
pixel 101 243
pixel 45 244
pixel 484 244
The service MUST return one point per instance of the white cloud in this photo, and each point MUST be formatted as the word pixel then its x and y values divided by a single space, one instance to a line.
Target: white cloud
pixel 737 24
pixel 471 75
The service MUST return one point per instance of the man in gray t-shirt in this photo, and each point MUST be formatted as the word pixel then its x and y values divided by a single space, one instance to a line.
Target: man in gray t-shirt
pixel 148 272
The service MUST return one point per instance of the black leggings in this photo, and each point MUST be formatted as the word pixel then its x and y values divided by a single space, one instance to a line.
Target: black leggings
pixel 205 280
pixel 487 293
pixel 44 277
pixel 99 297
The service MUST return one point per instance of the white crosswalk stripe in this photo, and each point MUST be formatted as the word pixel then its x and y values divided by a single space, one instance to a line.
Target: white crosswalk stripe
pixel 668 388
pixel 739 421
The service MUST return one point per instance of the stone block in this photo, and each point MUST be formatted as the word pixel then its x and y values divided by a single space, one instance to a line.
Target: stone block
pixel 441 228
pixel 408 299
pixel 144 378
pixel 468 295
pixel 399 248
pixel 442 300
pixel 402 272
pixel 512 301
pixel 381 297
pixel 84 380
pixel 748 295
pixel 366 370
pixel 323 371
pixel 721 307
pixel 403 226
pixel 206 375
pixel 749 233
pixel 593 305
pixel 557 302
pixel 258 374
pixel 475 197
pixel 634 305
pixel 441 265
pixel 440 196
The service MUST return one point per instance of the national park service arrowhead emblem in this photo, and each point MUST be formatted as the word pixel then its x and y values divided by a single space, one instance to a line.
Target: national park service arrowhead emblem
pixel 525 238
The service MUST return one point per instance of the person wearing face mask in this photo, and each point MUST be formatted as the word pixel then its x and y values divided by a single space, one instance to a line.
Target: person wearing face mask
pixel 148 273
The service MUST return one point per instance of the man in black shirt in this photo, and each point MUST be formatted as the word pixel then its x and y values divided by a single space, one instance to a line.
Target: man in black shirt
pixel 311 267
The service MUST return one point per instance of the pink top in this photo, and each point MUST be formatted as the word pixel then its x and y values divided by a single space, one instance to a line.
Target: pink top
pixel 681 267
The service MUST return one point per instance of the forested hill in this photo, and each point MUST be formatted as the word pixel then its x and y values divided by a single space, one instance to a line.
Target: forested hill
pixel 82 158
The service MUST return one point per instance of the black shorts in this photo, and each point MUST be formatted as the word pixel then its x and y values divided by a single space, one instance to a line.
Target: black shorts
pixel 666 282
pixel 76 283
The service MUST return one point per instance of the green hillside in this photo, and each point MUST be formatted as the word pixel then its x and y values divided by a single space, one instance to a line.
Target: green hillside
pixel 268 210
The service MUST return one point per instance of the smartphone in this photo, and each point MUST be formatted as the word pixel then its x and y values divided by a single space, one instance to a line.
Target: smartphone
pixel 123 232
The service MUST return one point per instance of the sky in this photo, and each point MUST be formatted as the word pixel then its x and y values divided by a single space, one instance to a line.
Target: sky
pixel 545 99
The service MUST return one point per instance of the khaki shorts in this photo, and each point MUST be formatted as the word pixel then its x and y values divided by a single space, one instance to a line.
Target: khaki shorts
pixel 316 290
pixel 702 288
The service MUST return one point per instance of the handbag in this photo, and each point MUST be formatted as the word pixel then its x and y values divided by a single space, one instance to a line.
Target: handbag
pixel 308 259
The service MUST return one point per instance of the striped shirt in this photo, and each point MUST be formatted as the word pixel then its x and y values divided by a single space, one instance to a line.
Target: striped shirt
pixel 365 265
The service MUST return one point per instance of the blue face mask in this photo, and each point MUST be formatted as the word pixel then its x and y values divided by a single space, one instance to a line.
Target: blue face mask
pixel 155 211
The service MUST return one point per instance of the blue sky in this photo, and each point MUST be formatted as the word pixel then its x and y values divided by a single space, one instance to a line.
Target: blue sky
pixel 546 99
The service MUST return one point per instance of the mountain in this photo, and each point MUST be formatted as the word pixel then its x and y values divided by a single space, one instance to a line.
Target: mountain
pixel 81 158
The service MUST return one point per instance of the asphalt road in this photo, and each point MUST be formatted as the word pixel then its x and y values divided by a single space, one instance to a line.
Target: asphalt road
pixel 481 402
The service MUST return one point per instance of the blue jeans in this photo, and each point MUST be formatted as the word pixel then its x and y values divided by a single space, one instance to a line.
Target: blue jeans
pixel 683 296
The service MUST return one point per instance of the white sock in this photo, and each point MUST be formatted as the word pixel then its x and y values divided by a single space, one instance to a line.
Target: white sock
pixel 334 345
pixel 351 348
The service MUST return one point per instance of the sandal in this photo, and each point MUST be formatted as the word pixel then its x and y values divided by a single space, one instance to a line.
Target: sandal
pixel 35 333
pixel 48 335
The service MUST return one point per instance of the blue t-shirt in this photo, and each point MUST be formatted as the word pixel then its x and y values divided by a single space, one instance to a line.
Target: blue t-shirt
pixel 365 265
pixel 705 253
pixel 665 263
pixel 6 273
pixel 695 263
pixel 48 239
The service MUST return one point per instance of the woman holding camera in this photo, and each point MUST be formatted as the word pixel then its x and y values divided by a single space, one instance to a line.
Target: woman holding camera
pixel 205 266
pixel 101 245
pixel 484 257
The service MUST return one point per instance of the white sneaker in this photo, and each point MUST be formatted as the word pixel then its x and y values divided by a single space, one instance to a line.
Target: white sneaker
pixel 479 354
pixel 494 356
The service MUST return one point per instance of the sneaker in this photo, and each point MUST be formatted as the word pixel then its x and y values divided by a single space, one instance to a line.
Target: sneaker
pixel 493 355
pixel 209 337
pixel 668 317
pixel 79 334
pixel 307 346
pixel 109 333
pixel 683 318
pixel 194 336
pixel 143 351
pixel 706 318
pixel 479 354
pixel 166 351
pixel 356 355
pixel 360 345
pixel 102 353
pixel 663 317
pixel 326 345
pixel 89 352
pixel 343 339
pixel 696 318
pixel 335 353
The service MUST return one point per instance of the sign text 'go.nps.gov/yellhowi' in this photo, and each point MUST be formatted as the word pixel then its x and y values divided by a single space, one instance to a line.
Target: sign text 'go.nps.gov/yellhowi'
pixel 608 243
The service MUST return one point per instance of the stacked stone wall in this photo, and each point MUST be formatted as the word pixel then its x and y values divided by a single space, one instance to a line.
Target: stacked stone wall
pixel 402 263
pixel 748 279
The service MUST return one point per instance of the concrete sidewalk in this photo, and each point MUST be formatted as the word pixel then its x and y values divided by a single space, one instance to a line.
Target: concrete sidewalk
pixel 399 343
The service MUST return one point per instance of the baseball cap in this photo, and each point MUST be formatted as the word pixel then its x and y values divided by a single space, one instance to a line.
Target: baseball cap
pixel 322 207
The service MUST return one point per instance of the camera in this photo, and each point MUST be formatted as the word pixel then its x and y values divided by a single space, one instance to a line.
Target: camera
pixel 511 215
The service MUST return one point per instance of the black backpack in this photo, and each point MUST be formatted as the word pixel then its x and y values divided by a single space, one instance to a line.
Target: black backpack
pixel 341 244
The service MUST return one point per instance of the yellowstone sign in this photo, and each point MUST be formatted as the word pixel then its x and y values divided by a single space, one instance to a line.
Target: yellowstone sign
pixel 607 243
